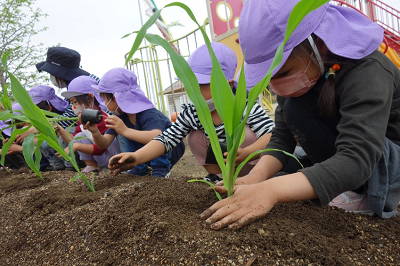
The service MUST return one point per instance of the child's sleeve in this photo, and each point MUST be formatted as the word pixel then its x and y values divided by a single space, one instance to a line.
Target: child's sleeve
pixel 259 122
pixel 173 135
pixel 97 151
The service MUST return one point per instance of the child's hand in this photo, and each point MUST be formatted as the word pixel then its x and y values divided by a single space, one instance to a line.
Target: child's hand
pixel 74 148
pixel 91 127
pixel 241 155
pixel 117 124
pixel 14 148
pixel 247 204
pixel 122 162
pixel 57 128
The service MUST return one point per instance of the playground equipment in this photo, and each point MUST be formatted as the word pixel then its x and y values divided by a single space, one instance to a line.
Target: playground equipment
pixel 384 15
pixel 154 69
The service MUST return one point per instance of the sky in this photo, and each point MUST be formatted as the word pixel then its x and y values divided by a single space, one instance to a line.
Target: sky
pixel 94 27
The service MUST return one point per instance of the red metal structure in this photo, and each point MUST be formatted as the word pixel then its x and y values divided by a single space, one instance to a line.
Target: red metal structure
pixel 382 14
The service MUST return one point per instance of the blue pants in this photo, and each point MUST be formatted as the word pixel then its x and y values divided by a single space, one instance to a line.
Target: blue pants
pixel 164 162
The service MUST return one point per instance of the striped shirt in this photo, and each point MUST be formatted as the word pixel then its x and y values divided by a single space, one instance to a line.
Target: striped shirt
pixel 258 121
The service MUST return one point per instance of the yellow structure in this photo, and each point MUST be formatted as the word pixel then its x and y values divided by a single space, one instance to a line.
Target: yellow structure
pixel 391 53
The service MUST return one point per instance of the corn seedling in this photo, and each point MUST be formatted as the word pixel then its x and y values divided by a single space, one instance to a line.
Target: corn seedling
pixel 37 118
pixel 230 107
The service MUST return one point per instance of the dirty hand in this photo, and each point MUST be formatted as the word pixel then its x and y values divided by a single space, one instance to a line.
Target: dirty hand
pixel 122 162
pixel 56 128
pixel 116 123
pixel 219 186
pixel 248 204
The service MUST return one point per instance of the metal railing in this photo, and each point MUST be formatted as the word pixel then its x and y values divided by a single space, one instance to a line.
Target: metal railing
pixel 156 75
pixel 384 15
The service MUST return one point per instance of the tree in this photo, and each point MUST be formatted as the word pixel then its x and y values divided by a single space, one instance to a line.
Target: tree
pixel 18 19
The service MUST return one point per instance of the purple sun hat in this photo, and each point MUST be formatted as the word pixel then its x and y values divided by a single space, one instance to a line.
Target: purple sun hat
pixel 16 108
pixel 45 93
pixel 346 32
pixel 123 84
pixel 201 64
pixel 83 85
pixel 6 131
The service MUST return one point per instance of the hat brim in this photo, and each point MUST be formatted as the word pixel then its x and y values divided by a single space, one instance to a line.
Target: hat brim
pixel 202 78
pixel 254 73
pixel 7 131
pixel 69 94
pixel 97 88
pixel 61 72
pixel 39 66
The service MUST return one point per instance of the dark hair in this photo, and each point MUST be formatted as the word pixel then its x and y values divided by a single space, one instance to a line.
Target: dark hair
pixel 60 81
pixel 44 105
pixel 84 99
pixel 326 99
pixel 107 95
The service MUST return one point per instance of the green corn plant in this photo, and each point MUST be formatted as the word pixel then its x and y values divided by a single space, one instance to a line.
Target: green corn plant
pixel 230 107
pixel 37 118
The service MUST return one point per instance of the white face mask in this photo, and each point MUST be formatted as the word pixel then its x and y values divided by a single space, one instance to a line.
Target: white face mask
pixel 115 112
pixel 55 83
pixel 211 105
pixel 78 109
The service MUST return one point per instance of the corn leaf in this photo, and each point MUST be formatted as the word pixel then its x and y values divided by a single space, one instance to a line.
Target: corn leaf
pixel 141 33
pixel 6 146
pixel 35 115
pixel 207 182
pixel 38 153
pixel 187 77
pixel 28 148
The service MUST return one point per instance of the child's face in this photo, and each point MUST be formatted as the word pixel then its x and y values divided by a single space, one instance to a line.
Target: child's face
pixel 74 101
pixel 112 105
pixel 205 91
pixel 297 64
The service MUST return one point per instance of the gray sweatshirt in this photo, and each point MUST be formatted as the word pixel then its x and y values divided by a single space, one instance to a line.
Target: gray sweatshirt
pixel 368 98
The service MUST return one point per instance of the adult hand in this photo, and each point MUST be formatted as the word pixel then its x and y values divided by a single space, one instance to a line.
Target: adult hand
pixel 248 203
pixel 122 162
pixel 117 124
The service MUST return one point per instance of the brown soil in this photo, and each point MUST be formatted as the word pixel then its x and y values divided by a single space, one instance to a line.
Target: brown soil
pixel 153 221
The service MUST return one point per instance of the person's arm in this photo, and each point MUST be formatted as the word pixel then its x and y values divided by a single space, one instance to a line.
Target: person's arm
pixel 85 148
pixel 14 148
pixel 128 160
pixel 20 138
pixel 251 202
pixel 102 141
pixel 259 144
pixel 141 136
pixel 65 135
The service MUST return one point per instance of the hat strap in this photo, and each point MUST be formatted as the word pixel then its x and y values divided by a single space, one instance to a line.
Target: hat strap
pixel 316 52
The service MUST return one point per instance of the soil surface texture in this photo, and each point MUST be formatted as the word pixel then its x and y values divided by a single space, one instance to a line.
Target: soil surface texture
pixel 132 220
